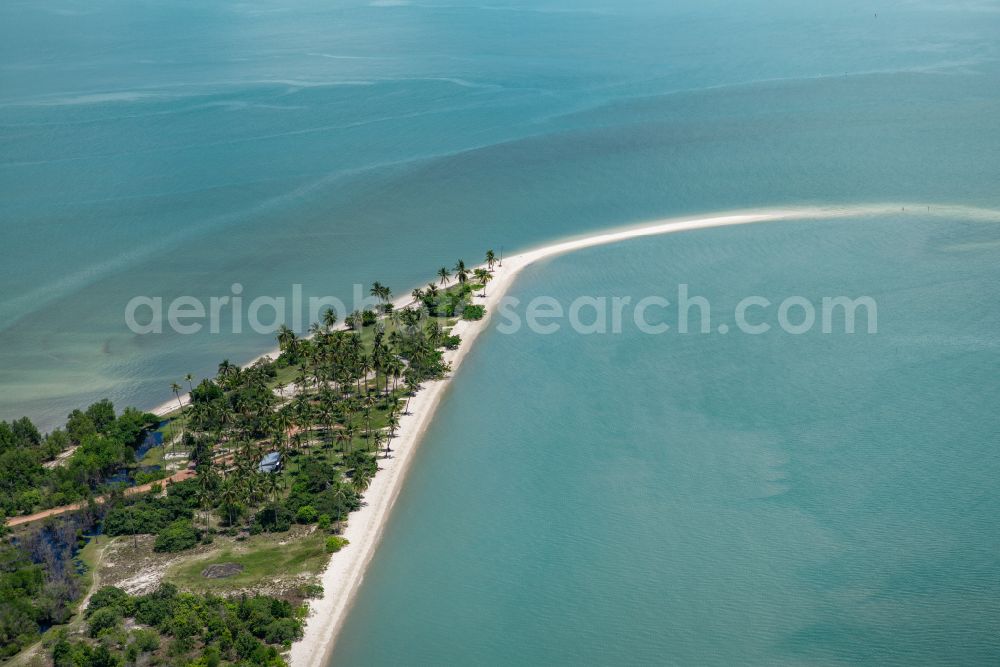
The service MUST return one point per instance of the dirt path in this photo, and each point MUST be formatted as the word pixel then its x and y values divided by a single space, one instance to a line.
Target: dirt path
pixel 56 511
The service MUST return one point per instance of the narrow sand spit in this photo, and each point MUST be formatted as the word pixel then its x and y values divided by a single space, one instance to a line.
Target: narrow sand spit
pixel 346 570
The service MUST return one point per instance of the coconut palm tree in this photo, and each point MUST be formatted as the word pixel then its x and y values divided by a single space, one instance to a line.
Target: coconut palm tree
pixel 361 480
pixel 382 293
pixel 443 274
pixel 208 482
pixel 491 259
pixel 483 276
pixel 378 438
pixel 411 388
pixel 343 440
pixel 354 320
pixel 392 426
pixel 190 380
pixel 349 431
pixel 176 388
pixel 329 318
pixel 461 272
pixel 369 404
pixel 227 369
pixel 229 494
pixel 272 486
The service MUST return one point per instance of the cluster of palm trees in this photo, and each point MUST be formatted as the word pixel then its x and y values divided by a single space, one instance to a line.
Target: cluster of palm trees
pixel 346 395
pixel 382 293
pixel 461 272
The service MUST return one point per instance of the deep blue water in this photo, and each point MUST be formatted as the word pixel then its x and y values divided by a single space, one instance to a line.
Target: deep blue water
pixel 173 148
pixel 718 499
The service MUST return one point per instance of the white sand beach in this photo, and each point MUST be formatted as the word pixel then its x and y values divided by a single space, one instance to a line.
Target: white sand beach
pixel 346 570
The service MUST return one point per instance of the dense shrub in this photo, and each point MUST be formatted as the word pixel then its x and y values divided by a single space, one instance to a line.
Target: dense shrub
pixel 152 514
pixel 306 514
pixel 272 519
pixel 200 629
pixel 102 620
pixel 146 641
pixel 473 312
pixel 110 597
pixel 206 392
pixel 81 654
pixel 178 536
pixel 335 543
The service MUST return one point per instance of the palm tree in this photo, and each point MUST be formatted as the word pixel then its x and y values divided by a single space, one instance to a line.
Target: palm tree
pixel 378 438
pixel 229 494
pixel 354 320
pixel 272 485
pixel 189 379
pixel 176 388
pixel 361 480
pixel 491 259
pixel 381 292
pixel 349 432
pixel 343 439
pixel 483 276
pixel 226 369
pixel 391 433
pixel 329 318
pixel 411 388
pixel 207 483
pixel 369 404
pixel 461 272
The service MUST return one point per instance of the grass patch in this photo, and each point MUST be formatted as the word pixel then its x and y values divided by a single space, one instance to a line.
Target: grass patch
pixel 154 456
pixel 263 559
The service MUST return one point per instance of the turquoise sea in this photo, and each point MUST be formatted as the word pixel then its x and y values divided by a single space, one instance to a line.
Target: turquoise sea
pixel 174 148
pixel 619 499
pixel 689 499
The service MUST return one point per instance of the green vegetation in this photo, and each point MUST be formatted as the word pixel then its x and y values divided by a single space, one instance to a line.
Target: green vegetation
pixel 189 630
pixel 100 442
pixel 150 513
pixel 473 312
pixel 260 561
pixel 328 407
pixel 335 543
pixel 177 536
pixel 38 580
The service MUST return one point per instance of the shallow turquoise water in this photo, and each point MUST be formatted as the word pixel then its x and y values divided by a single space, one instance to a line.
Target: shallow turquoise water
pixel 164 149
pixel 611 499
pixel 714 499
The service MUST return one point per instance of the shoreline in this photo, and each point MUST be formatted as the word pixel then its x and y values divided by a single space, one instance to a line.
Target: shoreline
pixel 346 569
pixel 652 228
